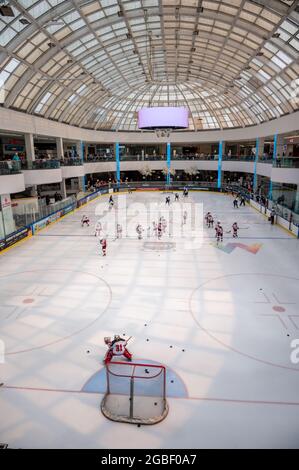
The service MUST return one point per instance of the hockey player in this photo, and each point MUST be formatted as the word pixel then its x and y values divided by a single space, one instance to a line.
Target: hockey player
pixel 235 203
pixel 160 229
pixel 167 200
pixel 85 221
pixel 119 231
pixel 207 218
pixel 103 243
pixel 176 197
pixel 242 201
pixel 155 229
pixel 210 220
pixel 164 224
pixel 111 202
pixel 235 230
pixel 139 231
pixel 98 229
pixel 216 228
pixel 219 233
pixel 116 347
pixel 185 215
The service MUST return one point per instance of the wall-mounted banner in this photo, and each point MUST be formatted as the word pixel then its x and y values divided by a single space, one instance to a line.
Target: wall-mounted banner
pixel 43 223
pixel 14 238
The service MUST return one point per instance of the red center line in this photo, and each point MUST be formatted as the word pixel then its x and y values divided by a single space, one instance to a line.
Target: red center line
pixel 213 399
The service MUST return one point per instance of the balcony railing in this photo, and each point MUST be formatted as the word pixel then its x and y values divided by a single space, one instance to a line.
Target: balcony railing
pixel 141 158
pixel 71 162
pixel 10 167
pixel 99 158
pixel 286 163
pixel 41 165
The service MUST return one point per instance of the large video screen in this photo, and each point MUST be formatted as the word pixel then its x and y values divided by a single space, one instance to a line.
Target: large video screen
pixel 163 118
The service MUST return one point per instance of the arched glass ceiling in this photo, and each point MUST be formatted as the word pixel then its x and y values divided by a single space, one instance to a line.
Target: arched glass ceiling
pixel 95 63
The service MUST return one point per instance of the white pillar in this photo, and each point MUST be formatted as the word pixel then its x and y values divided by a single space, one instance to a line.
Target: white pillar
pixel 30 157
pixel 280 144
pixel 79 150
pixel 29 146
pixel 261 147
pixel 63 189
pixel 59 147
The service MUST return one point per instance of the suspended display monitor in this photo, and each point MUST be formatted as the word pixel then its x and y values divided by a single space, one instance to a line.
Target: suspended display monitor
pixel 163 119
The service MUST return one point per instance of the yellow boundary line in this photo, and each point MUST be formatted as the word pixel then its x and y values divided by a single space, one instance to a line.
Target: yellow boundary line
pixel 17 243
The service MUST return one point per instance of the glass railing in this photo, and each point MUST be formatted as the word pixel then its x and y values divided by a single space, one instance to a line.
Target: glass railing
pixel 286 163
pixel 10 167
pixel 201 157
pixel 71 162
pixel 143 158
pixel 41 165
pixel 265 160
pixel 238 158
pixel 99 158
pixel 30 213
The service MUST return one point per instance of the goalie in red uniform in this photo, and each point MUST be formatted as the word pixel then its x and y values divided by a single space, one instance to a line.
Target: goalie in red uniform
pixel 116 347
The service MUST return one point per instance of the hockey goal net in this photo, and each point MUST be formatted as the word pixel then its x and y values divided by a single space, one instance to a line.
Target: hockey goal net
pixel 136 393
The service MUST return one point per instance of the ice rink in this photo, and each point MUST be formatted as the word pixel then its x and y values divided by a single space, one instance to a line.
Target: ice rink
pixel 222 319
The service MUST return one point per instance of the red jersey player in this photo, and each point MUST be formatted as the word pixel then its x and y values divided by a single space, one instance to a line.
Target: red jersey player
pixel 103 243
pixel 235 230
pixel 219 233
pixel 117 347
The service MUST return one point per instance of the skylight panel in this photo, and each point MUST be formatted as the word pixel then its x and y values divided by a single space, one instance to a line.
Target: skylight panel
pixel 39 9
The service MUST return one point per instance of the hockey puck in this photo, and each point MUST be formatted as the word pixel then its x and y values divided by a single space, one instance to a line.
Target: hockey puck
pixel 145 324
pixel 138 425
pixel 183 350
pixel 147 339
pixel 170 346
pixel 172 381
pixel 155 403
pixel 288 335
pixel 146 371
pixel 88 351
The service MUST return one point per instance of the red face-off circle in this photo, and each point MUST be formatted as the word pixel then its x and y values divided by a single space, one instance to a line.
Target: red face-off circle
pixel 278 309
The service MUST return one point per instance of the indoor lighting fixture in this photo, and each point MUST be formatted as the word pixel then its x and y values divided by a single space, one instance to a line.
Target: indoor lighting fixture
pixel 5 9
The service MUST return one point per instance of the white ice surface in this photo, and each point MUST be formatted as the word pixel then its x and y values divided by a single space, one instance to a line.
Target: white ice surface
pixel 59 298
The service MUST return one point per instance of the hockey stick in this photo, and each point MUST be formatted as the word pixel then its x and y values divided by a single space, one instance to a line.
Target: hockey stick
pixel 128 340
